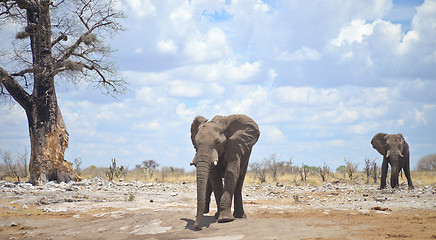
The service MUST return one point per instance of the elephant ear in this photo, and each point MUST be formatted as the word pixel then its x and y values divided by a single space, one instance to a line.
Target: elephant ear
pixel 242 133
pixel 379 143
pixel 405 145
pixel 402 138
pixel 198 120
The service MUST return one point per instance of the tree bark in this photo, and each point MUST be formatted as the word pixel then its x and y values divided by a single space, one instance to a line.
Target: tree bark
pixel 48 134
pixel 48 144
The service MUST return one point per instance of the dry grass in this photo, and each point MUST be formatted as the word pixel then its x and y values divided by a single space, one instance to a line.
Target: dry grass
pixel 422 178
pixel 419 178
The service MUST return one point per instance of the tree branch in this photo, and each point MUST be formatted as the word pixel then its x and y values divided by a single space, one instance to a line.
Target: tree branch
pixel 16 90
pixel 22 73
pixel 103 78
pixel 63 37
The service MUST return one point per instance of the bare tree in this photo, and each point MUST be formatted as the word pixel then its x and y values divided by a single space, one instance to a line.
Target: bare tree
pixel 351 168
pixel 371 169
pixel 274 165
pixel 368 169
pixel 304 172
pixel 374 170
pixel 324 172
pixel 22 159
pixel 13 167
pixel 58 41
pixel 260 170
pixel 149 166
pixel 427 163
pixel 77 165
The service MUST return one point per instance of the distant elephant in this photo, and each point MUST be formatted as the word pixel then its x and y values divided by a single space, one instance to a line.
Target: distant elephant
pixel 395 151
pixel 223 147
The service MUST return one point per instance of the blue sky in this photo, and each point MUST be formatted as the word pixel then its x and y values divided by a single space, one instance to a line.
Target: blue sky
pixel 319 77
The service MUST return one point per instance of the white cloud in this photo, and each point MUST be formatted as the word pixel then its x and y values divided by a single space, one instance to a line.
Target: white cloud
pixel 315 75
pixel 355 32
pixel 272 134
pixel 230 71
pixel 146 126
pixel 181 15
pixel 167 46
pixel 184 89
pixel 212 46
pixel 141 8
pixel 363 128
pixel 306 95
pixel 189 89
pixel 184 113
pixel 302 54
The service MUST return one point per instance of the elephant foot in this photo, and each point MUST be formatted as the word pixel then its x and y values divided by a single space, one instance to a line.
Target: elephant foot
pixel 411 187
pixel 225 217
pixel 239 215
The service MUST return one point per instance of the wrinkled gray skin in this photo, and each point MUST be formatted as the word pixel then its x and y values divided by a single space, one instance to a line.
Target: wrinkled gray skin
pixel 395 151
pixel 223 147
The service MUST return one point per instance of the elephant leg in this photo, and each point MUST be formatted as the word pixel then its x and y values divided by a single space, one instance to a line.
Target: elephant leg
pixel 230 178
pixel 239 208
pixel 215 180
pixel 409 178
pixel 384 174
pixel 208 194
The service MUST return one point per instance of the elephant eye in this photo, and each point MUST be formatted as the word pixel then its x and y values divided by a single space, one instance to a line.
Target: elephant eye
pixel 217 141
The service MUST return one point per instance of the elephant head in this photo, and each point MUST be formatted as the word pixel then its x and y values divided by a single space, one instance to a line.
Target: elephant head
pixel 395 151
pixel 214 141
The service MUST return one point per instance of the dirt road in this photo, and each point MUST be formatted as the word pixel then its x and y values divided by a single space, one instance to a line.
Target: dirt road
pixel 103 210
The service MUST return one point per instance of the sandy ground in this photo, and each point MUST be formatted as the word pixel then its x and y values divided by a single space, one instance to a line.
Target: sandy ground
pixel 167 211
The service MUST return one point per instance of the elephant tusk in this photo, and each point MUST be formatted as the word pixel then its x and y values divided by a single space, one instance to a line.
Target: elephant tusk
pixel 401 155
pixel 387 155
pixel 215 157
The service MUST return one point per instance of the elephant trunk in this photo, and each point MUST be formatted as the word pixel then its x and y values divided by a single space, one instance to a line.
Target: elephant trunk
pixel 395 165
pixel 203 167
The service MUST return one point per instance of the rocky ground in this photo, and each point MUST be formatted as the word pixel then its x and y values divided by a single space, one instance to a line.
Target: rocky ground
pixel 99 209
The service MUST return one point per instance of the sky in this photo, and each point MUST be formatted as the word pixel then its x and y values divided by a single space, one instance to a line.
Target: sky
pixel 320 78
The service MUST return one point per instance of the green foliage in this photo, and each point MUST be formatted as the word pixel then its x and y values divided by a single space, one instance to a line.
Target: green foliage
pixel 341 169
pixel 115 171
pixel 131 197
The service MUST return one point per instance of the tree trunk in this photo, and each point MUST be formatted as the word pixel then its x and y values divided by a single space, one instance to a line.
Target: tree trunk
pixel 48 134
pixel 48 143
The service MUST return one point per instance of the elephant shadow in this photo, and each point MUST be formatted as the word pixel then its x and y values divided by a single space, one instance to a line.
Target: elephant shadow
pixel 207 220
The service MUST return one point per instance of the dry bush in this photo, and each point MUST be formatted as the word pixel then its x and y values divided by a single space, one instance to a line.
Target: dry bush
pixel 324 172
pixel 93 171
pixel 427 163
pixel 14 167
pixel 351 168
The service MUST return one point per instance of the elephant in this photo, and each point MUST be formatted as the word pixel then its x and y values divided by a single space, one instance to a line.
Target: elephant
pixel 395 151
pixel 223 148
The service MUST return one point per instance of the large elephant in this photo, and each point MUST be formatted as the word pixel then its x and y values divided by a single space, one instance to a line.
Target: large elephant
pixel 223 147
pixel 395 151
